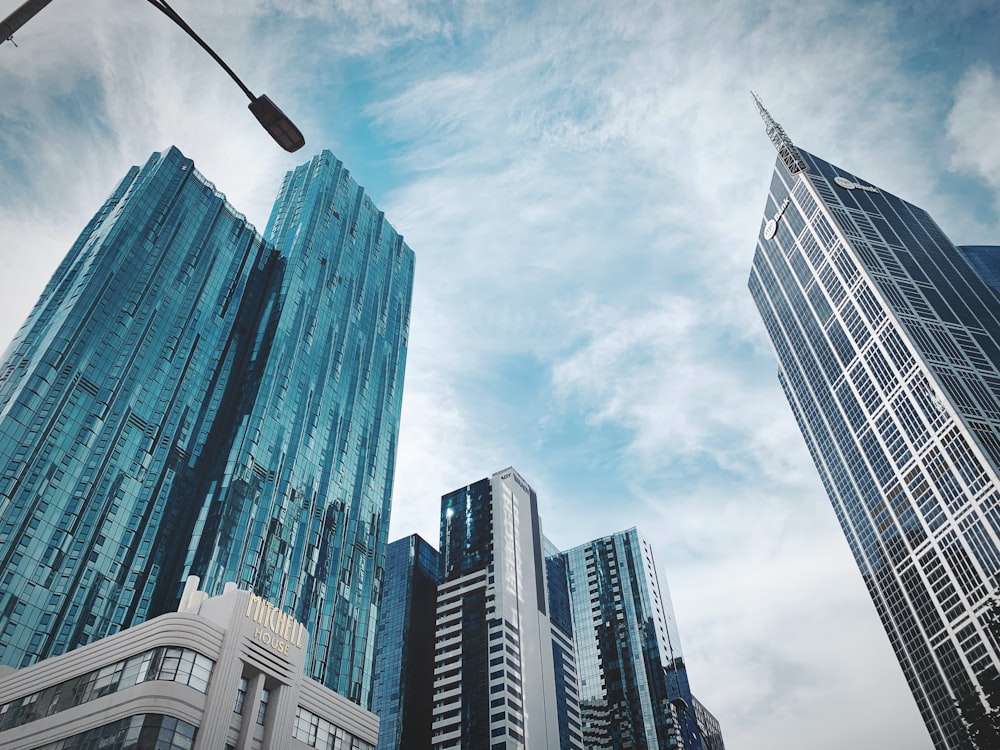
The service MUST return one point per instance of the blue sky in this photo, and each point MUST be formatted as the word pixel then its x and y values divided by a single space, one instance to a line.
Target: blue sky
pixel 582 183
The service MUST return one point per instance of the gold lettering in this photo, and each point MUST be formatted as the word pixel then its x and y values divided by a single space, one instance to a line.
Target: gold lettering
pixel 287 631
pixel 254 604
pixel 289 628
pixel 269 640
pixel 272 616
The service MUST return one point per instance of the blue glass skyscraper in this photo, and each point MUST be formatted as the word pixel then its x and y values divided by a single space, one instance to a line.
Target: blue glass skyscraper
pixel 108 395
pixel 708 725
pixel 297 507
pixel 634 690
pixel 404 654
pixel 187 398
pixel 888 348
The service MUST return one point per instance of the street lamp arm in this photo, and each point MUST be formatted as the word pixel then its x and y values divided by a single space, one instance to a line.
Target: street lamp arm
pixel 21 15
pixel 165 9
pixel 271 118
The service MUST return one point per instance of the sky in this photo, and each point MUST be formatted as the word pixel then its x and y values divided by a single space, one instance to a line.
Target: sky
pixel 583 183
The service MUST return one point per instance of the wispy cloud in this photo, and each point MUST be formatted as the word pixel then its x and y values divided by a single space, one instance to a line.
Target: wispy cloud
pixel 971 125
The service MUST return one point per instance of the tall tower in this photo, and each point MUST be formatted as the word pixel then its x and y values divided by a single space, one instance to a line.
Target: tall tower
pixel 494 673
pixel 108 395
pixel 888 349
pixel 186 398
pixel 634 683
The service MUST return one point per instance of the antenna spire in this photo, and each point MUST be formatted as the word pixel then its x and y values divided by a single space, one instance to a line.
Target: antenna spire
pixel 787 152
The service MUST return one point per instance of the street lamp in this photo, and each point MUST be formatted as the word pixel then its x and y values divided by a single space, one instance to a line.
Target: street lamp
pixel 274 121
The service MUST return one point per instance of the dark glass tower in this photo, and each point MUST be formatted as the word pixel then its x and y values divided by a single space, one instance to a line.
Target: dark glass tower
pixel 708 725
pixel 188 399
pixel 404 654
pixel 888 348
pixel 634 690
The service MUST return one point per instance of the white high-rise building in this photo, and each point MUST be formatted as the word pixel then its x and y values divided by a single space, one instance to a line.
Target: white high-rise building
pixel 498 681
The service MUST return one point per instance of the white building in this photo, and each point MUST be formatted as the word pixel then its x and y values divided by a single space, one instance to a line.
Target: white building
pixel 222 673
pixel 496 681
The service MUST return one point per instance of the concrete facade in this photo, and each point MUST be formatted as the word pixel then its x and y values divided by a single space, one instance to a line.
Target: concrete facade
pixel 224 673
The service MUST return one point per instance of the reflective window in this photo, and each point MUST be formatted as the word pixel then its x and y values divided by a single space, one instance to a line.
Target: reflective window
pixel 317 732
pixel 164 663
pixel 140 732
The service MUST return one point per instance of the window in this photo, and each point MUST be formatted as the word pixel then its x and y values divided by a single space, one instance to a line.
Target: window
pixel 241 696
pixel 165 663
pixel 262 711
pixel 317 732
pixel 142 730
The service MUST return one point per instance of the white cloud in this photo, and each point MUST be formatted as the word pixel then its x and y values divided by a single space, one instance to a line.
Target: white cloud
pixel 674 376
pixel 971 125
pixel 784 631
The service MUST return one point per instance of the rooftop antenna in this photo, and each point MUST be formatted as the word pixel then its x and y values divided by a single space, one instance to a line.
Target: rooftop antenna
pixel 787 152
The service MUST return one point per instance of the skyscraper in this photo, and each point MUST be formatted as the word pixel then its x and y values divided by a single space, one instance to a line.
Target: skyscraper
pixel 634 690
pixel 494 674
pixel 186 398
pixel 310 457
pixel 888 348
pixel 404 654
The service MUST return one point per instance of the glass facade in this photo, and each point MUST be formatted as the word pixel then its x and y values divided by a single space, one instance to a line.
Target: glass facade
pixel 711 732
pixel 107 396
pixel 296 507
pixel 404 654
pixel 985 261
pixel 634 690
pixel 138 732
pixel 188 399
pixel 563 648
pixel 888 348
